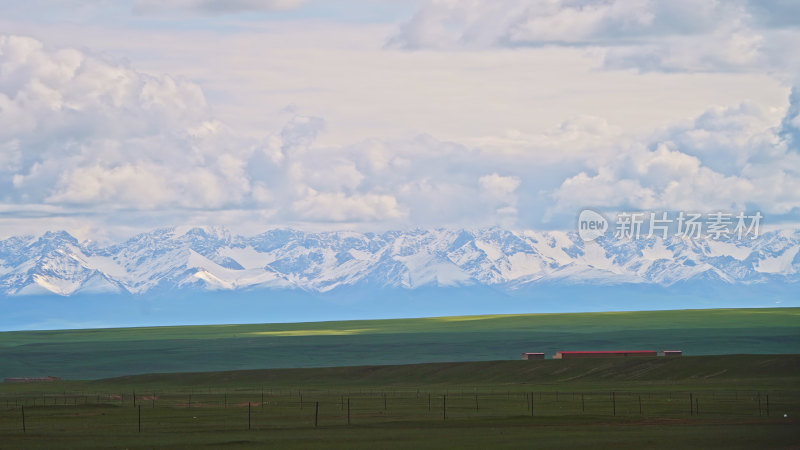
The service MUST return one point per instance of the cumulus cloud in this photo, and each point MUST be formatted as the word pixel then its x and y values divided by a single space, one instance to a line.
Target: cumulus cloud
pixel 83 134
pixel 726 159
pixel 499 186
pixel 731 48
pixel 84 130
pixel 212 7
pixel 500 190
pixel 73 121
pixel 541 22
pixel 654 180
pixel 648 35
pixel 790 126
pixel 729 139
pixel 339 207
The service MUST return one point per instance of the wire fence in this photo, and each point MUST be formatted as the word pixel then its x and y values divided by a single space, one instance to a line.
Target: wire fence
pixel 263 409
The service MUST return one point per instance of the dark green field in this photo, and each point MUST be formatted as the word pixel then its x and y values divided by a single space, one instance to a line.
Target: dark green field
pixel 651 402
pixel 99 353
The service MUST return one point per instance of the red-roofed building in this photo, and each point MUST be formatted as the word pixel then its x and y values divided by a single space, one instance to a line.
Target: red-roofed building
pixel 605 354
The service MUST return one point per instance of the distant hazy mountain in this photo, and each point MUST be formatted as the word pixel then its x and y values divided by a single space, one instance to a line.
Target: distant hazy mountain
pixel 213 259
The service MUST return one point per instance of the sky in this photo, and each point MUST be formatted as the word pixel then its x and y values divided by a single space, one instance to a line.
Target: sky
pixel 117 117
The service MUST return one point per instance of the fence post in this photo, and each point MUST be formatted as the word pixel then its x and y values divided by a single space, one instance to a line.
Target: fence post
pixel 316 414
pixel 640 405
pixel 444 407
pixel 614 403
pixel 348 410
pixel 767 405
pixel 248 415
pixel 140 418
pixel 583 406
pixel 531 404
pixel 23 420
pixel 429 401
pixel 691 402
pixel 759 403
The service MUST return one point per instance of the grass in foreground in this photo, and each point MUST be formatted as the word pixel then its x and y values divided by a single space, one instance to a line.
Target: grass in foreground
pixel 688 402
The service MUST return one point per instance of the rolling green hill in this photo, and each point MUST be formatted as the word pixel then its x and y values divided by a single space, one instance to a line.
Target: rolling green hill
pixel 100 353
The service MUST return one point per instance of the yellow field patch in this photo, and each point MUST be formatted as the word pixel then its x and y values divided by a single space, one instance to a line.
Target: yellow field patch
pixel 468 318
pixel 313 332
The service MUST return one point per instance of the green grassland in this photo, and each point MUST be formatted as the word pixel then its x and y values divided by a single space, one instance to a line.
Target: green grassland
pixel 101 353
pixel 728 401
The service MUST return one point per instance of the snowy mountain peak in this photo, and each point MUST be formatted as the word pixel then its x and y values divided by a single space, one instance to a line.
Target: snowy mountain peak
pixel 213 258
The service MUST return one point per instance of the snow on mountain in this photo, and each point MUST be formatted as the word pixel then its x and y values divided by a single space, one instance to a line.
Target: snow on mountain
pixel 212 258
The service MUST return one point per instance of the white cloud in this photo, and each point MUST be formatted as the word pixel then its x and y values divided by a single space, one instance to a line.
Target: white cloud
pixel 648 35
pixel 500 191
pixel 212 7
pixel 125 185
pixel 726 159
pixel 79 129
pixel 263 73
pixel 729 48
pixel 86 135
pixel 500 187
pixel 790 126
pixel 97 134
pixel 339 207
pixel 729 139
pixel 485 23
pixel 560 22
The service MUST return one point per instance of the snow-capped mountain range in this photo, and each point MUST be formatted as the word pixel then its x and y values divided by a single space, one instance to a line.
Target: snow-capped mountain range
pixel 211 258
